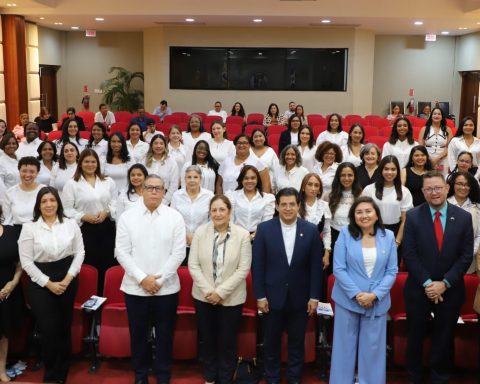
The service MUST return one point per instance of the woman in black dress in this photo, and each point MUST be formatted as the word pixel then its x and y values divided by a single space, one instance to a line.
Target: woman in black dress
pixel 412 175
pixel 367 172
pixel 11 303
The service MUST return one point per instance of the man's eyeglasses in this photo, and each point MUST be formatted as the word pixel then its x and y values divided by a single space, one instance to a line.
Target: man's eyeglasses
pixel 151 188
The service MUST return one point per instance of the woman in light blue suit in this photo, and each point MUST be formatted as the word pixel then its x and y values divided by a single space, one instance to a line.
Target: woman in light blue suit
pixel 365 268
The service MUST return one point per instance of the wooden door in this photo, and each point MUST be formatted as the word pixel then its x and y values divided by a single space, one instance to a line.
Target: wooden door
pixel 48 88
pixel 469 102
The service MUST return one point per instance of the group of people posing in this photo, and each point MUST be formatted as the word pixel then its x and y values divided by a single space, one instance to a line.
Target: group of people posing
pixel 153 203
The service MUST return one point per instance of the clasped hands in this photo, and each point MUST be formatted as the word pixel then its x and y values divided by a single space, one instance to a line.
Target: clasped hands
pixel 95 219
pixel 150 284
pixel 59 287
pixel 366 299
pixel 435 290
pixel 262 306
pixel 213 298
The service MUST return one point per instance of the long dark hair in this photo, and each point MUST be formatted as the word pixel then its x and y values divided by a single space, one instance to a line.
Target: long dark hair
pixel 65 137
pixel 311 141
pixel 36 209
pixel 329 128
pixel 397 182
pixel 394 135
pixel 303 201
pixel 128 131
pixel 472 170
pixel 337 187
pixel 459 132
pixel 474 194
pixel 420 148
pixel 353 228
pixel 124 154
pixel 131 188
pixel 211 162
pixel 242 174
pixel 270 107
pixel 91 140
pixel 42 145
pixel 263 134
pixel 62 163
pixel 353 126
pixel 443 123
pixel 241 112
pixel 79 171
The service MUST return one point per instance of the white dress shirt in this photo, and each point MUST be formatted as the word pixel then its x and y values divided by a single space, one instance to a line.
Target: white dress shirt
pixel 167 169
pixel 138 151
pixel 390 208
pixel 109 119
pixel 401 150
pixel 28 149
pixel 308 157
pixel 194 213
pixel 220 151
pixel 40 243
pixel 249 213
pixel 314 215
pixel 101 148
pixel 457 145
pixel 118 173
pixel 223 114
pixel 208 176
pixel 230 171
pixel 340 217
pixel 60 176
pixel 349 156
pixel 339 138
pixel 80 198
pixel 326 177
pixel 19 204
pixel 125 202
pixel 9 171
pixel 150 243
pixel 44 175
pixel 292 178
pixel 289 231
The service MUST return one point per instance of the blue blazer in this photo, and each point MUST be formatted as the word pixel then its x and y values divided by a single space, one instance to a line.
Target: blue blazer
pixel 351 276
pixel 287 286
pixel 423 259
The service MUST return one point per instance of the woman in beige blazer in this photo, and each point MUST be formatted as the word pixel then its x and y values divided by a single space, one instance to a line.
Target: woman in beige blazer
pixel 219 262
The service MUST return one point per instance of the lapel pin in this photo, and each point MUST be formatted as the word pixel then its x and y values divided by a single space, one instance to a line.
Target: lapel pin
pixel 452 218
pixel 301 234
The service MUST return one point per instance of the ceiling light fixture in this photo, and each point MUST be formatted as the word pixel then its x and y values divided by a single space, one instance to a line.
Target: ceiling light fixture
pixel 418 23
pixel 58 23
pixel 326 21
pixel 41 18
pixel 445 32
pixel 99 19
pixel 11 5
pixel 257 20
pixel 462 28
pixel 189 20
pixel 75 27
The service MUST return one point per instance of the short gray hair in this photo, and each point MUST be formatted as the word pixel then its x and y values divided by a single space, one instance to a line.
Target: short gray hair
pixel 153 176
pixel 194 168
pixel 367 147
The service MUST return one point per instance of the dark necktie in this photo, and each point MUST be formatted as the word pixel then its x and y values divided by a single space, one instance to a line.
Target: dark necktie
pixel 437 226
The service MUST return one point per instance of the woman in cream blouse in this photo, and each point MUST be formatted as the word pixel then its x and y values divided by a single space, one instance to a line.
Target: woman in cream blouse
pixel 219 262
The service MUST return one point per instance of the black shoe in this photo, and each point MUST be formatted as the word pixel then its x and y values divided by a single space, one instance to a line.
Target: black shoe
pixel 141 381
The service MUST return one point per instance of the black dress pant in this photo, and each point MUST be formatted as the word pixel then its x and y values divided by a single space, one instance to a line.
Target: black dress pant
pixel 218 326
pixel 53 314
pixel 99 243
pixel 159 311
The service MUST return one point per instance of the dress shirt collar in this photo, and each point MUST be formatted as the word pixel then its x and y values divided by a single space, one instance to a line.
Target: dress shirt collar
pixel 43 224
pixel 288 226
pixel 157 211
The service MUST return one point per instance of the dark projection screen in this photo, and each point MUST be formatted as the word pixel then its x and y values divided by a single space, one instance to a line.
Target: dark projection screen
pixel 301 69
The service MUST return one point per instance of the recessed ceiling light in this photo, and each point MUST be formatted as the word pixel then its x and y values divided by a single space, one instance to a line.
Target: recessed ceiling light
pixel 326 21
pixel 58 23
pixel 75 27
pixel 257 20
pixel 11 5
pixel 99 19
pixel 190 20
pixel 445 32
pixel 418 23
pixel 462 28
pixel 41 18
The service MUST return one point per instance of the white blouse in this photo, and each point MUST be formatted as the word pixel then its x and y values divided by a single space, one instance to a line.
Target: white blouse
pixel 167 169
pixel 147 135
pixel 249 213
pixel 45 174
pixel 138 151
pixel 28 149
pixel 19 204
pixel 118 173
pixel 101 148
pixel 190 142
pixel 220 151
pixel 208 176
pixel 292 178
pixel 9 171
pixel 390 208
pixel 60 176
pixel 339 138
pixel 308 157
pixel 270 159
pixel 340 217
pixel 125 202
pixel 178 154
pixel 401 150
pixel 230 171
pixel 40 243
pixel 457 145
pixel 314 215
pixel 80 198
pixel 327 177
pixel 348 156
pixel 369 259
pixel 194 213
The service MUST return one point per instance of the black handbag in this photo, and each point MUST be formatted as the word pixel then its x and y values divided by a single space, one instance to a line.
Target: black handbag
pixel 247 371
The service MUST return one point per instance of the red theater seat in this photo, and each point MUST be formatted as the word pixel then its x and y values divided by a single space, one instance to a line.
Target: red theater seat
pixel 235 120
pixel 247 336
pixel 255 118
pixel 123 116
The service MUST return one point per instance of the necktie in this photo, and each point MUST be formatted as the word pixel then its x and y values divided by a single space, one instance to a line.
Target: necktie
pixel 437 226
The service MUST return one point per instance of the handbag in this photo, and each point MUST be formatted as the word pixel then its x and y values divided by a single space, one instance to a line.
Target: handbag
pixel 247 371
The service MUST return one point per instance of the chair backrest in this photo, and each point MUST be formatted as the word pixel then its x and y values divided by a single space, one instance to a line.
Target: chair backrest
pixel 124 116
pixel 379 140
pixel 396 295
pixel 371 130
pixel 471 283
pixel 314 119
pixel 201 114
pixel 111 289
pixel 54 135
pixel 162 127
pixel 185 298
pixel 87 283
pixel 251 302
pixel 182 117
pixel 276 129
pixel 85 135
pixel 235 120
pixel 251 127
pixel 233 130
pixel 255 118
pixel 171 119
pixel 208 121
pixel 120 126
pixel 155 118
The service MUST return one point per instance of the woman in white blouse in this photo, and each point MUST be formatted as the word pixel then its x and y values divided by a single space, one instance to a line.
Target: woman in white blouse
pixel 334 133
pixel 8 161
pixel 176 149
pixel 316 211
pixel 393 199
pixel 118 161
pixel 307 147
pixel 132 195
pixel 71 134
pixel 400 142
pixel 89 198
pixel 192 201
pixel 250 206
pixel 20 199
pixel 51 253
pixel 64 169
pixel 99 140
pixel 351 152
pixel 220 147
pixel 203 158
pixel 328 156
pixel 47 155
pixel 465 164
pixel 465 139
pixel 195 132
pixel 345 189
pixel 159 162
pixel 263 152
pixel 136 144
pixel 290 172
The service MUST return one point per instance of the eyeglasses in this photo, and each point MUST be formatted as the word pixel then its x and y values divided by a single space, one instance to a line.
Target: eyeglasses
pixel 243 143
pixel 151 188
pixel 462 185
pixel 465 161
pixel 430 190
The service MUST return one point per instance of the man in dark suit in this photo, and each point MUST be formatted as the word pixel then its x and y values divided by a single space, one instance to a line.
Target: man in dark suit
pixel 438 249
pixel 287 273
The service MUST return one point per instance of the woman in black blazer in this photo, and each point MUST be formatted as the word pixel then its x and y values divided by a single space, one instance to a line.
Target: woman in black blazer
pixel 290 135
